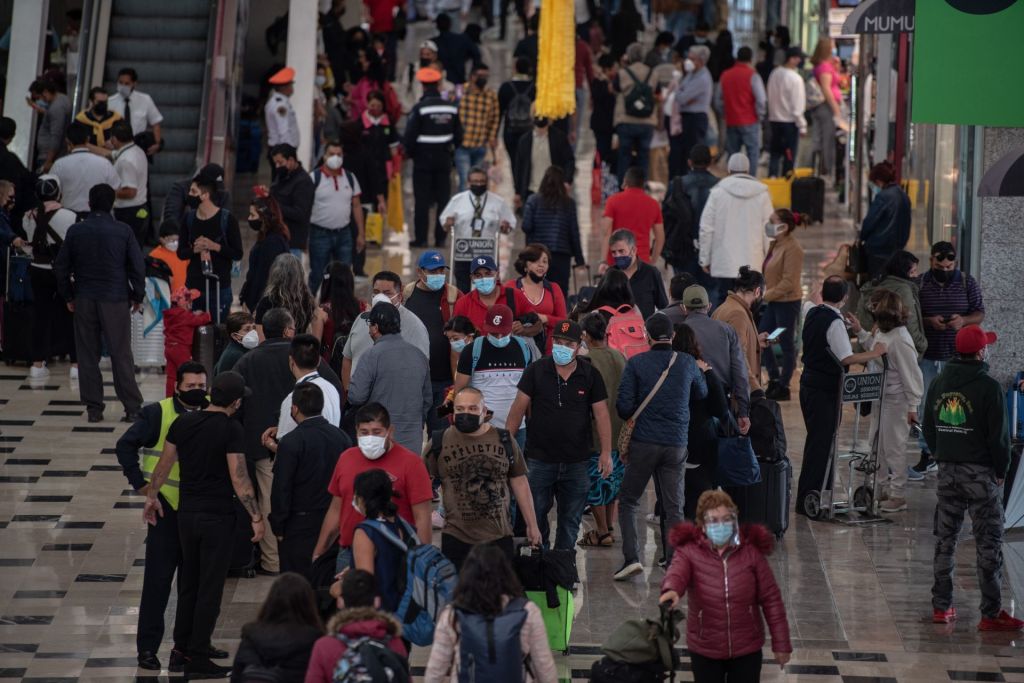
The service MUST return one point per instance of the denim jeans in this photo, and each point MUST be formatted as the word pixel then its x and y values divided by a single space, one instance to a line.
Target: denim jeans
pixel 633 136
pixel 326 246
pixel 930 369
pixel 785 139
pixel 781 314
pixel 344 561
pixel 748 137
pixel 465 159
pixel 667 465
pixel 570 484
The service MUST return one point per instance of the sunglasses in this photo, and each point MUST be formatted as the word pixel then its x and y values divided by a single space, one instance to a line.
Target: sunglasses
pixel 947 256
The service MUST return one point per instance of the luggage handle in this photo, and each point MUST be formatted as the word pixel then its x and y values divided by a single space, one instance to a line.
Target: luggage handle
pixel 215 278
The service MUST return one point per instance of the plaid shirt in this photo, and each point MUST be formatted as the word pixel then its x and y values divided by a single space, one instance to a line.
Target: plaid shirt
pixel 478 113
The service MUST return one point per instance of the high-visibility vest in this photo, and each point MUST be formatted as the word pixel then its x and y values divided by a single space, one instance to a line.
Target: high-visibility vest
pixel 151 456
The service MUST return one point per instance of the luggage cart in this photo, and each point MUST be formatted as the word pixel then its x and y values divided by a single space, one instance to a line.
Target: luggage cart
pixel 828 502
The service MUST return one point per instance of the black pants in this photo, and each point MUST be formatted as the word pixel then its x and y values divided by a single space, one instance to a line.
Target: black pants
pixel 163 557
pixel 511 141
pixel 457 551
pixel 821 418
pixel 300 536
pixel 782 148
pixel 52 327
pixel 745 669
pixel 695 131
pixel 560 271
pixel 205 540
pixel 96 321
pixel 430 186
pixel 603 143
pixel 129 215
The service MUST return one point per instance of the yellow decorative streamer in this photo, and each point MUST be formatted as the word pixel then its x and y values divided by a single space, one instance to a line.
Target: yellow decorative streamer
pixel 556 60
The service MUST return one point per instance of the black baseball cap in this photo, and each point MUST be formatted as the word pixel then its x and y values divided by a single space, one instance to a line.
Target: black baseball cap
pixel 384 314
pixel 568 330
pixel 227 388
pixel 211 174
pixel 659 327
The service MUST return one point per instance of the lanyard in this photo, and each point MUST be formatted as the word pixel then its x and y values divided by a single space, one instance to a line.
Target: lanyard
pixel 478 209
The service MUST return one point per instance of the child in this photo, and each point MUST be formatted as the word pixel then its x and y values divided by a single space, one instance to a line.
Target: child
pixel 180 323
pixel 242 337
pixel 167 251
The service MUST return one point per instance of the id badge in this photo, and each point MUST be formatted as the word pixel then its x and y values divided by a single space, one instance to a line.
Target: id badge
pixel 477 225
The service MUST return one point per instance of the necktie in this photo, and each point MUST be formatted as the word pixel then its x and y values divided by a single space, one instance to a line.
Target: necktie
pixel 128 110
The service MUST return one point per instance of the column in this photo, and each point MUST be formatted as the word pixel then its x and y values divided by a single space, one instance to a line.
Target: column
pixel 25 62
pixel 302 27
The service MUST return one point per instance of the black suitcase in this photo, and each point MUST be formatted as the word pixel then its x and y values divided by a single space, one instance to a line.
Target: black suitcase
pixel 208 341
pixel 766 502
pixel 17 332
pixel 808 197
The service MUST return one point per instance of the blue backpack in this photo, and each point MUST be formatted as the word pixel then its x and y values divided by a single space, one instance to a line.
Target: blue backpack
pixel 489 647
pixel 430 579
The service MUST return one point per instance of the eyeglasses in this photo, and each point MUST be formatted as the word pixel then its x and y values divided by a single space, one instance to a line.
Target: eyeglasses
pixel 946 256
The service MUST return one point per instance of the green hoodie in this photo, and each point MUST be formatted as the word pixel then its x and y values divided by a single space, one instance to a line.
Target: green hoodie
pixel 965 417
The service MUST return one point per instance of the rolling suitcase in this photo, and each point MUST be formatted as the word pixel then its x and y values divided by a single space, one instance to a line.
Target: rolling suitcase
pixel 808 197
pixel 548 578
pixel 17 311
pixel 207 342
pixel 766 502
pixel 148 325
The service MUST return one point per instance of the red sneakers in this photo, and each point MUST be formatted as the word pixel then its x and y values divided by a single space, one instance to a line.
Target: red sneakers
pixel 1004 622
pixel 944 616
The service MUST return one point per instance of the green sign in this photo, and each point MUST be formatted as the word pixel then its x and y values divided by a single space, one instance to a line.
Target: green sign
pixel 967 56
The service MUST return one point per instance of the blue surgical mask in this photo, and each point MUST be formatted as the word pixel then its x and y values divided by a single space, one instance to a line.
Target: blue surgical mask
pixel 435 282
pixel 561 354
pixel 720 533
pixel 42 104
pixel 500 342
pixel 484 285
pixel 622 262
pixel 458 345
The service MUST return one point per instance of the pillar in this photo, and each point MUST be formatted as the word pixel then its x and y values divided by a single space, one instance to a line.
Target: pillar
pixel 302 29
pixel 25 62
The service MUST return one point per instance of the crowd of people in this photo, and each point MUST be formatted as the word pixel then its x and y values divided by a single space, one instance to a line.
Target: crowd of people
pixel 308 432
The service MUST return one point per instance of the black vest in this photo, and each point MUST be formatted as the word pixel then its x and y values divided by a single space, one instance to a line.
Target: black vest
pixel 821 368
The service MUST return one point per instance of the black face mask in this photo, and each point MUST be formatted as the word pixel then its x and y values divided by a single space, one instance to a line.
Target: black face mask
pixel 281 172
pixel 425 62
pixel 534 277
pixel 100 108
pixel 481 83
pixel 192 201
pixel 942 276
pixel 256 224
pixel 467 423
pixel 478 190
pixel 194 398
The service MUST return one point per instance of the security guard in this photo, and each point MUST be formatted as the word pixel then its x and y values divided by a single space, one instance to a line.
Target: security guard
pixel 163 552
pixel 432 133
pixel 282 126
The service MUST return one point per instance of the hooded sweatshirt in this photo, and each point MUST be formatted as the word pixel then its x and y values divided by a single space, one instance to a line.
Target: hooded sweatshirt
pixel 965 417
pixel 283 647
pixel 732 225
pixel 352 623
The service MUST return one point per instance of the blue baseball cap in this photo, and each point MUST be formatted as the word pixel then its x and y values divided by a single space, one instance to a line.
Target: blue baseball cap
pixel 483 262
pixel 431 260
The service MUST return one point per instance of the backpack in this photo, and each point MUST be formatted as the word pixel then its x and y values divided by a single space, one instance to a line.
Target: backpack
pixel 639 100
pixel 626 332
pixel 429 583
pixel 478 347
pixel 677 211
pixel 43 252
pixel 489 647
pixel 767 434
pixel 519 115
pixel 368 660
pixel 643 649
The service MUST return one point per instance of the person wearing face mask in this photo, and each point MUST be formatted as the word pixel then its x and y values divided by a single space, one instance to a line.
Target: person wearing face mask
pixel 547 146
pixel 376 449
pixel 737 311
pixel 137 108
pixel 337 215
pixel 645 280
pixel 131 205
pixel 693 98
pixel 478 112
pixel 487 291
pixel 167 251
pixel 886 227
pixel 99 118
pixel 54 108
pixel 783 267
pixel 950 299
pixel 742 98
pixel 271 241
pixel 550 222
pixel 480 467
pixel 282 125
pixel 787 102
pixel 460 333
pixel 180 323
pixel 546 296
pixel 304 361
pixel 296 194
pixel 723 569
pixel 634 210
pixel 78 171
pixel 208 447
pixel 242 338
pixel 476 214
pixel 395 373
pixel 176 202
pixel 138 451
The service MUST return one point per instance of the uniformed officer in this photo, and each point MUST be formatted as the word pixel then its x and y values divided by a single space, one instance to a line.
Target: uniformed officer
pixel 282 126
pixel 432 133
pixel 145 439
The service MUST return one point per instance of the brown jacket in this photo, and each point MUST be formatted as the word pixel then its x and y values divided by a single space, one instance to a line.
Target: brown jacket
pixel 782 268
pixel 735 313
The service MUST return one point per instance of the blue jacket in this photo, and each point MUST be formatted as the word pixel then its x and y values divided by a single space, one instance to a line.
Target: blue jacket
pixel 555 228
pixel 886 228
pixel 666 419
pixel 104 258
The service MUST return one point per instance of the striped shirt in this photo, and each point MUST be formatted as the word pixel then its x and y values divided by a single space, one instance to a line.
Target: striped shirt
pixel 961 296
pixel 478 112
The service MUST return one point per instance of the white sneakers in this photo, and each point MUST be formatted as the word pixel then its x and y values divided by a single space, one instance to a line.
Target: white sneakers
pixel 74 372
pixel 38 372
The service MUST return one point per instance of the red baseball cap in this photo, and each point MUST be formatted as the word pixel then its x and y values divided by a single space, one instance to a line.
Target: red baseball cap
pixel 972 338
pixel 498 320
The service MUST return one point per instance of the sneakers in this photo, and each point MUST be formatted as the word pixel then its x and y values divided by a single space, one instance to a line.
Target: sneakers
pixel 436 520
pixel 628 570
pixel 914 475
pixel 947 616
pixel 1004 622
pixel 74 372
pixel 652 518
pixel 893 505
pixel 38 372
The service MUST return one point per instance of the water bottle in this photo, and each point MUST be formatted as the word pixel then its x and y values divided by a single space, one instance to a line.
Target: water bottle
pixel 207 263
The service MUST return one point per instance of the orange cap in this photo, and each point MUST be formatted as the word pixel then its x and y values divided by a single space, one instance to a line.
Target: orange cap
pixel 428 74
pixel 283 77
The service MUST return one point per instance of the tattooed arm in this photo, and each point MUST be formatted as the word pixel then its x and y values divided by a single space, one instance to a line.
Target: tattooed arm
pixel 246 495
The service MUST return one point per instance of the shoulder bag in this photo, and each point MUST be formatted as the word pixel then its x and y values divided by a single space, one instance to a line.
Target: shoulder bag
pixel 626 433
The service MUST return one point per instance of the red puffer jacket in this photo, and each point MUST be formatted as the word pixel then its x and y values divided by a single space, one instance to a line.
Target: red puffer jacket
pixel 727 593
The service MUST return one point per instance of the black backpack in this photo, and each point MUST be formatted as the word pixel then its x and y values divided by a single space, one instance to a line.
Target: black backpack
pixel 519 115
pixel 677 212
pixel 639 100
pixel 767 434
pixel 45 252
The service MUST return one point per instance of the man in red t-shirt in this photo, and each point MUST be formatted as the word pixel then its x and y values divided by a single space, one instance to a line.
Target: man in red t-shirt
pixel 633 210
pixel 377 449
pixel 488 291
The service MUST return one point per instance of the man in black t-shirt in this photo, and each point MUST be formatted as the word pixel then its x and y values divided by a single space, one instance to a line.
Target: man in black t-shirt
pixel 208 446
pixel 565 393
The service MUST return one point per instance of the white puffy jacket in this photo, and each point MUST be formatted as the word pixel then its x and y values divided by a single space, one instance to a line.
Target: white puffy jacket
pixel 732 225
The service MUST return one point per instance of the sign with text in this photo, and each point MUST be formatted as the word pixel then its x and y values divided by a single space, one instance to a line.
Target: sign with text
pixel 468 248
pixel 863 386
pixel 881 16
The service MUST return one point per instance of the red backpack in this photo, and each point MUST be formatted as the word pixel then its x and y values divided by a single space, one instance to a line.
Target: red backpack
pixel 626 332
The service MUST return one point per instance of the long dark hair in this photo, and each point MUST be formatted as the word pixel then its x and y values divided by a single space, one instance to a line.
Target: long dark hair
pixel 552 188
pixel 273 220
pixel 338 290
pixel 685 341
pixel 613 291
pixel 290 601
pixel 485 578
pixel 375 489
pixel 900 263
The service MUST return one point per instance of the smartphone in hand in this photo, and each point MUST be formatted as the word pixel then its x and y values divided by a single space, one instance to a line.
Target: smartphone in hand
pixel 776 333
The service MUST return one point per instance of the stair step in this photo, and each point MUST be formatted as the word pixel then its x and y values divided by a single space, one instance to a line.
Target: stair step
pixel 162 10
pixel 152 73
pixel 180 50
pixel 126 27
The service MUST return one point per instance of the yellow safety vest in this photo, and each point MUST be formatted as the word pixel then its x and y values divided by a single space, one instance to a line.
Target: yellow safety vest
pixel 151 456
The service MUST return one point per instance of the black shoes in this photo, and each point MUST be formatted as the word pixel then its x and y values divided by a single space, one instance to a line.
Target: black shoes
pixel 201 668
pixel 212 653
pixel 131 417
pixel 262 572
pixel 777 392
pixel 95 417
pixel 148 660
pixel 177 662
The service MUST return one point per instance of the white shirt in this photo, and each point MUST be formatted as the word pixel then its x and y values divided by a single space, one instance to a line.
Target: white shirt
pixel 332 203
pixel 133 169
pixel 59 222
pixel 837 337
pixel 359 340
pixel 282 126
pixel 331 411
pixel 144 113
pixel 78 172
pixel 493 211
pixel 787 98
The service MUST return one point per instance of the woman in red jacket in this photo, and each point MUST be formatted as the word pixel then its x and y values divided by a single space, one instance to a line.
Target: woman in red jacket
pixel 724 569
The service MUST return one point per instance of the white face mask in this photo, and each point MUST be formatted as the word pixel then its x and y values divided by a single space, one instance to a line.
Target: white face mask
pixel 334 162
pixel 319 81
pixel 382 298
pixel 124 90
pixel 689 66
pixel 373 447
pixel 172 245
pixel 251 339
pixel 774 229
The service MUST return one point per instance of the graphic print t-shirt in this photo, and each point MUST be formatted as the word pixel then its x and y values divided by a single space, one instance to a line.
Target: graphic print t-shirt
pixel 474 473
pixel 497 375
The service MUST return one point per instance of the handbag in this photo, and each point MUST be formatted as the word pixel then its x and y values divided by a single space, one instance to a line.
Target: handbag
pixel 737 464
pixel 626 433
pixel 856 262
